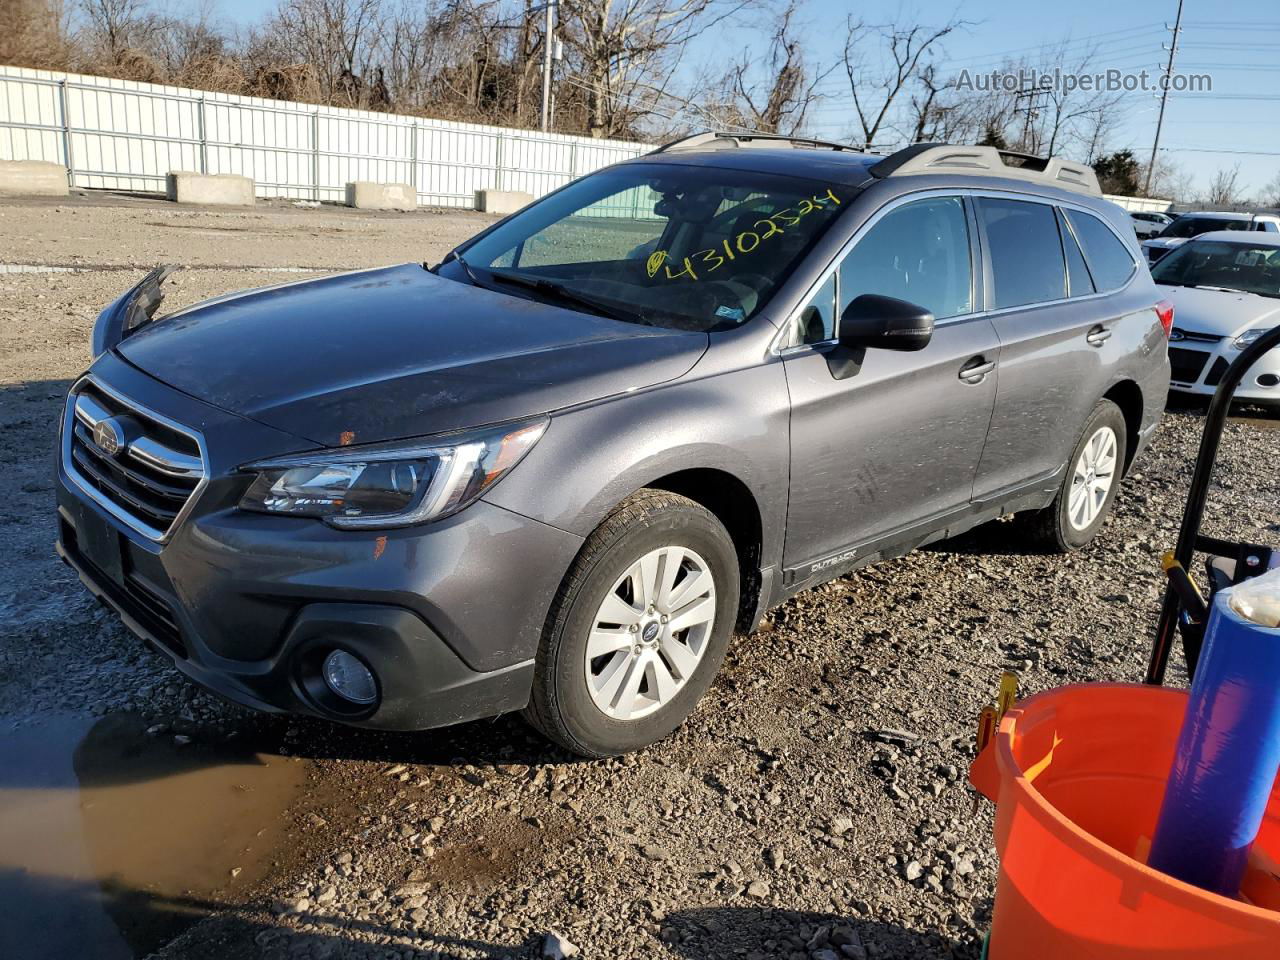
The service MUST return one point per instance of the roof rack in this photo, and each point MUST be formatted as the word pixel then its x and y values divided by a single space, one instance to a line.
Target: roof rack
pixel 721 139
pixel 988 162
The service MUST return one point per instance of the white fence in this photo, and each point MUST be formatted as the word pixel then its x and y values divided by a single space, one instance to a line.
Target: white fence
pixel 1141 204
pixel 121 135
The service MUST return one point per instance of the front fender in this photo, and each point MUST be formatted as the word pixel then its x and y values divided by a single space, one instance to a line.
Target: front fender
pixel 595 456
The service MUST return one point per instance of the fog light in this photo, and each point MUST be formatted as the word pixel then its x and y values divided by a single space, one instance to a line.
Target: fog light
pixel 1268 380
pixel 349 678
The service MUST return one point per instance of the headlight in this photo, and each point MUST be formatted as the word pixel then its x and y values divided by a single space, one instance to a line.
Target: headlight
pixel 1247 338
pixel 390 485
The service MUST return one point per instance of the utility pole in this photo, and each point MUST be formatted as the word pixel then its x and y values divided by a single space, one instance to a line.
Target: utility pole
pixel 548 52
pixel 1030 108
pixel 1164 97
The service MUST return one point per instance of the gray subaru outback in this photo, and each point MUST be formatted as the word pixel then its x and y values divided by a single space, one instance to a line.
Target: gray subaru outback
pixel 554 472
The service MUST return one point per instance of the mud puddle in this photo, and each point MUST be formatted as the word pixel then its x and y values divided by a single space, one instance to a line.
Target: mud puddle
pixel 113 841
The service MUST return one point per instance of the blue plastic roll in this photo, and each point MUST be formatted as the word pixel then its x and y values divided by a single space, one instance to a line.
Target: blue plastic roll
pixel 1227 757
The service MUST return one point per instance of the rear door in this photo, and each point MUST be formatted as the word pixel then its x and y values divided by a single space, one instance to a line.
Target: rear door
pixel 1057 332
pixel 883 444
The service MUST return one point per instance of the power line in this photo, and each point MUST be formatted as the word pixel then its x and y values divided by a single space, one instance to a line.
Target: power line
pixel 1251 153
pixel 1254 48
pixel 1233 25
pixel 1151 28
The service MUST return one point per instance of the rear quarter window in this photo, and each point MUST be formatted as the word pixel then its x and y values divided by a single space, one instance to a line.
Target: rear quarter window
pixel 1109 259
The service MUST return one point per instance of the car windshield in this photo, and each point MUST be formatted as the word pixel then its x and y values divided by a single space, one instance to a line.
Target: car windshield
pixel 1217 263
pixel 1194 226
pixel 687 247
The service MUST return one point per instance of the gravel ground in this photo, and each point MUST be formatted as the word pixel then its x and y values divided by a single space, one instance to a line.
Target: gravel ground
pixel 814 807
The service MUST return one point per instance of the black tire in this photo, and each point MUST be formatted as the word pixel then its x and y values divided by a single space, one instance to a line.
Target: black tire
pixel 1051 528
pixel 561 706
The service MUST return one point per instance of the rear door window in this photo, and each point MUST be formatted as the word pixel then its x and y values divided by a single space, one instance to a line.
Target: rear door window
pixel 1026 253
pixel 1109 259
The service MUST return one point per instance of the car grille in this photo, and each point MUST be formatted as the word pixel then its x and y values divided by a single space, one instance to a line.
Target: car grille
pixel 153 474
pixel 1193 337
pixel 1215 373
pixel 1185 366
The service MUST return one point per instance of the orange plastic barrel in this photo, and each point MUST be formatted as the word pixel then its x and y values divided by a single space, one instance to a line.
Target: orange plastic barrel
pixel 1078 775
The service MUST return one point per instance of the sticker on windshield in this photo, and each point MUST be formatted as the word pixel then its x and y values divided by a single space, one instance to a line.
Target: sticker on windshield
pixel 746 242
pixel 655 262
pixel 736 314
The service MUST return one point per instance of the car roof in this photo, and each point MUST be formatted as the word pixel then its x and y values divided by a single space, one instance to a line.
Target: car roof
pixel 845 167
pixel 1251 238
pixel 844 164
pixel 1224 215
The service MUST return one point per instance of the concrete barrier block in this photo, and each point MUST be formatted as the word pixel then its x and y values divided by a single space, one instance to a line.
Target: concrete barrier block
pixel 33 178
pixel 502 201
pixel 367 195
pixel 226 189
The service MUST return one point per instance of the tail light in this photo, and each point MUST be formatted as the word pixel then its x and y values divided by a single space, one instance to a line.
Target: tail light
pixel 1164 313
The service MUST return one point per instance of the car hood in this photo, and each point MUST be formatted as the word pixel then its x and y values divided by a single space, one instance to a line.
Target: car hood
pixel 398 352
pixel 1219 313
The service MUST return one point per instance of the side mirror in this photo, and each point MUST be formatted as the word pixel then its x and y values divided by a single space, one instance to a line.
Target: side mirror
pixel 885 323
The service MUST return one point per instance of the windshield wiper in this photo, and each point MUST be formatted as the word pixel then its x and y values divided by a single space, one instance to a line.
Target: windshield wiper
pixel 567 295
pixel 1210 286
pixel 455 256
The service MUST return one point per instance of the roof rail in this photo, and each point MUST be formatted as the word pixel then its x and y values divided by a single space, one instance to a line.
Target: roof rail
pixel 988 162
pixel 722 139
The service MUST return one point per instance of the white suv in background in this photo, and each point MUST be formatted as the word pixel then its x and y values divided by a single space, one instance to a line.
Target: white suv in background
pixel 1190 225
pixel 1149 223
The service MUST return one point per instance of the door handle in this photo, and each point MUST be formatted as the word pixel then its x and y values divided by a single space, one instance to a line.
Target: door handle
pixel 1098 335
pixel 976 370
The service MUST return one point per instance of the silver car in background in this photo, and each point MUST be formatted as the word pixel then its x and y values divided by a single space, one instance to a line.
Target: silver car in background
pixel 1225 287
pixel 1190 225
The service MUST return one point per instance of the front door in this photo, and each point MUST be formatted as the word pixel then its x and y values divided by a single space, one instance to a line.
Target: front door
pixel 883 448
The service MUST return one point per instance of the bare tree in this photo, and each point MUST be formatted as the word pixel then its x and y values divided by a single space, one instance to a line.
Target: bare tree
pixel 1270 194
pixel 773 93
pixel 336 38
pixel 882 61
pixel 625 52
pixel 1168 181
pixel 940 112
pixel 117 27
pixel 1072 116
pixel 33 33
pixel 1224 188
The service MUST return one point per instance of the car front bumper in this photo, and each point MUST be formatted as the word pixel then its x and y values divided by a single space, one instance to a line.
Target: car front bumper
pixel 1197 367
pixel 447 615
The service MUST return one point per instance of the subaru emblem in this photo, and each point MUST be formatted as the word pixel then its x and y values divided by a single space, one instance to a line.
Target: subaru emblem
pixel 108 436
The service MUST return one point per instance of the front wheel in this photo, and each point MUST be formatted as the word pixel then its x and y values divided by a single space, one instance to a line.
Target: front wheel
pixel 638 629
pixel 1089 489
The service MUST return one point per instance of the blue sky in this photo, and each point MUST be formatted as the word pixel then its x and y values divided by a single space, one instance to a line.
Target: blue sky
pixel 1236 41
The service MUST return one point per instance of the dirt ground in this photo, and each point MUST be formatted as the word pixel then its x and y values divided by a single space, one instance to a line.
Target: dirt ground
pixel 814 807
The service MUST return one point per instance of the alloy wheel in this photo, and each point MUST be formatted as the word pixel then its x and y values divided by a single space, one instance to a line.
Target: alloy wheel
pixel 650 632
pixel 1091 481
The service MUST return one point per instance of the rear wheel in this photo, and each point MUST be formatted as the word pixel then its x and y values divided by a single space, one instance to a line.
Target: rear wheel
pixel 638 629
pixel 1089 489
